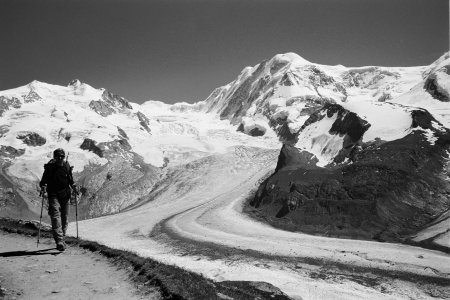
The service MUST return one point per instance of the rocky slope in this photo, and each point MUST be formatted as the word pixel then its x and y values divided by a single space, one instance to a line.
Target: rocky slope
pixel 365 149
pixel 384 191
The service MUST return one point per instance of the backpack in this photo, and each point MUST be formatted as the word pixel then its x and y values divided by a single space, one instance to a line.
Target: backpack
pixel 50 170
pixel 66 165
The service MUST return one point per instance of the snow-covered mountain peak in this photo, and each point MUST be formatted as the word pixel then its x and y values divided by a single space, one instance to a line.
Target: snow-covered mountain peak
pixel 75 83
pixel 280 94
pixel 289 57
pixel 78 92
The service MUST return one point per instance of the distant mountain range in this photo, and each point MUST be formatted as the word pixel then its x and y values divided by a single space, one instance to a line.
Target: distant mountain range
pixel 364 151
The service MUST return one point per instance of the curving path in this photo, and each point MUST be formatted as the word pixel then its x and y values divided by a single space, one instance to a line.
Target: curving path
pixel 194 219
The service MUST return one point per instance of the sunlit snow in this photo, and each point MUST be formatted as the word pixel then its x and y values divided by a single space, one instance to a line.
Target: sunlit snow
pixel 217 167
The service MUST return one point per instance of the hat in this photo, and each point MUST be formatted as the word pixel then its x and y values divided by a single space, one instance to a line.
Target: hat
pixel 59 152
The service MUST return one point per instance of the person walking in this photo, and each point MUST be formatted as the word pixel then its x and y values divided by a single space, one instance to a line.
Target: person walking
pixel 57 182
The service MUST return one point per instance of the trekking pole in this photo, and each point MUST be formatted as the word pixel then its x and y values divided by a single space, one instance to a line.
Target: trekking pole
pixel 41 194
pixel 76 195
pixel 76 211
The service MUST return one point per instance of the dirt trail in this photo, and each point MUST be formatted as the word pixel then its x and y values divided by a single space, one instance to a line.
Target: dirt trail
pixel 26 273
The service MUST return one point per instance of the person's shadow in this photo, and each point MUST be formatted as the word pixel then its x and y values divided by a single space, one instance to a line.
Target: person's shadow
pixel 30 253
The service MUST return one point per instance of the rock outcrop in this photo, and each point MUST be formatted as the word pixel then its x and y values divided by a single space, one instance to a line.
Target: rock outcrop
pixel 122 133
pixel 434 84
pixel 32 96
pixel 116 100
pixel 252 127
pixel 109 104
pixel 386 191
pixel 8 103
pixel 144 121
pixel 10 152
pixel 90 145
pixel 101 107
pixel 111 188
pixel 32 139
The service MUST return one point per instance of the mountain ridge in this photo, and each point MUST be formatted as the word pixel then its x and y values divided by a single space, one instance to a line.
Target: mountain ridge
pixel 331 112
pixel 364 158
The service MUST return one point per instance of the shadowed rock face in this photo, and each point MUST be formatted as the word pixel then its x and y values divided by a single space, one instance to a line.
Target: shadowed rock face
pixel 116 100
pixel 32 139
pixel 388 191
pixel 32 96
pixel 243 97
pixel 10 152
pixel 143 121
pixel 90 145
pixel 110 104
pixel 286 80
pixel 256 131
pixel 102 108
pixel 122 132
pixel 347 124
pixel 284 133
pixel 432 87
pixel 108 149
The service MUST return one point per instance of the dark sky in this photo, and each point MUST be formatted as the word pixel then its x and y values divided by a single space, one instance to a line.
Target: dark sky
pixel 180 50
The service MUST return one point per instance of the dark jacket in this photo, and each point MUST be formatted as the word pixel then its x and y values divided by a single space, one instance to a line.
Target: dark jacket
pixel 57 178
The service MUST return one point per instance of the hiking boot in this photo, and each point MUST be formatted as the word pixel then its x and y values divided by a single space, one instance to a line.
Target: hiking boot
pixel 61 246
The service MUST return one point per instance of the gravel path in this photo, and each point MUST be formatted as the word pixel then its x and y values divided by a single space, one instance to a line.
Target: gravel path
pixel 28 272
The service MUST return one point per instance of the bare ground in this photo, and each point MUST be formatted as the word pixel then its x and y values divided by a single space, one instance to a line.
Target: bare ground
pixel 28 272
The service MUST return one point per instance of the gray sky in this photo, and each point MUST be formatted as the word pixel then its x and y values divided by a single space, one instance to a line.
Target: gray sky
pixel 180 50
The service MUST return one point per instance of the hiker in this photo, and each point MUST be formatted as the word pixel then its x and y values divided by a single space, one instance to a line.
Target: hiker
pixel 58 181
